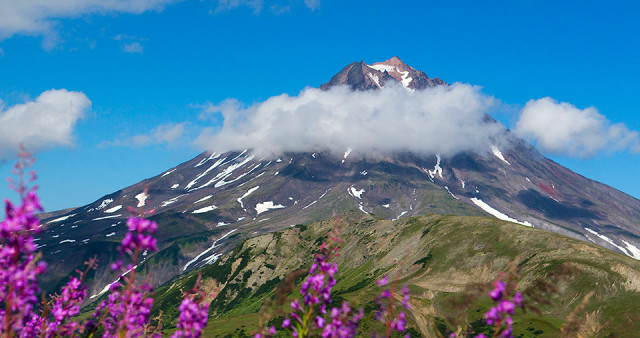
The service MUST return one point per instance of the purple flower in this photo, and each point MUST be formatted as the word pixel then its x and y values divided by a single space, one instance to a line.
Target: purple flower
pixel 517 298
pixel 492 316
pixel 500 288
pixel 499 315
pixel 139 237
pixel 506 306
pixel 399 323
pixel 405 297
pixel 193 318
pixel 384 281
pixel 18 276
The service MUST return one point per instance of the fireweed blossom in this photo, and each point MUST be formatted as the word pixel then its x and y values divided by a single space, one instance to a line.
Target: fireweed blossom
pixel 194 312
pixel 55 318
pixel 313 313
pixel 385 311
pixel 20 268
pixel 499 316
pixel 125 312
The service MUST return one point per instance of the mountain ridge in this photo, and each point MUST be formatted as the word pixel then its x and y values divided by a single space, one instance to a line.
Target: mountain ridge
pixel 361 76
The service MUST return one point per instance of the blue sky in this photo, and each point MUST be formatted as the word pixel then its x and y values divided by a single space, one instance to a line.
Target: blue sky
pixel 150 63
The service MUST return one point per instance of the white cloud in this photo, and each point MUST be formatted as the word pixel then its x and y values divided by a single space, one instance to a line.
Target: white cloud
pixel 167 133
pixel 279 10
pixel 564 129
pixel 134 47
pixel 444 119
pixel 312 4
pixel 39 17
pixel 45 122
pixel 232 4
pixel 276 7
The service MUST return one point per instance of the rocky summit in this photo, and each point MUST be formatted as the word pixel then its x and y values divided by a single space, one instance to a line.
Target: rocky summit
pixel 362 76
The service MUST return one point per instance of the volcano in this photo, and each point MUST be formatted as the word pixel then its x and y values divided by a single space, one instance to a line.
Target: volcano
pixel 206 205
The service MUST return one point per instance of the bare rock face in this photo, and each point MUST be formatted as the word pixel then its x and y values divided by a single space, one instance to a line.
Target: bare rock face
pixel 361 76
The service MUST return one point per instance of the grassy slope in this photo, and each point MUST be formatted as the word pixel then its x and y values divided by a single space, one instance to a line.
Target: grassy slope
pixel 448 263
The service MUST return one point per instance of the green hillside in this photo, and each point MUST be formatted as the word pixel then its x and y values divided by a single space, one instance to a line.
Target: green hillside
pixel 448 262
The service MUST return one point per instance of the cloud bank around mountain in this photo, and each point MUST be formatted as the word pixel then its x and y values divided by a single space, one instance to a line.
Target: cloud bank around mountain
pixel 444 119
pixel 562 128
pixel 45 122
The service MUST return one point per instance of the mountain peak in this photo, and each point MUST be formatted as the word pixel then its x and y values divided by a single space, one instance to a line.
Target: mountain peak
pixel 363 76
pixel 395 62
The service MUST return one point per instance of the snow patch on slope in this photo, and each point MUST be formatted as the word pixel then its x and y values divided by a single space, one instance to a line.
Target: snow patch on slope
pixel 346 153
pixel 223 182
pixel 610 241
pixel 314 202
pixel 361 208
pixel 382 67
pixel 375 79
pixel 170 201
pixel 266 206
pixel 60 219
pixel 114 209
pixel 105 217
pixel 206 251
pixel 192 183
pixel 205 209
pixel 355 192
pixel 247 194
pixel 104 203
pixel 168 172
pixel 495 213
pixel 203 199
pixel 213 156
pixel 141 197
pixel 498 154
pixel 437 169
pixel 450 193
pixel 635 252
pixel 401 214
pixel 227 172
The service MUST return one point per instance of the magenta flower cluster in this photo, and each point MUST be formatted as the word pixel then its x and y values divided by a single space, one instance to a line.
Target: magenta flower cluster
pixel 194 313
pixel 313 318
pixel 313 314
pixel 20 268
pixel 125 312
pixel 499 316
pixel 384 313
pixel 18 276
pixel 128 307
pixel 140 235
pixel 344 322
